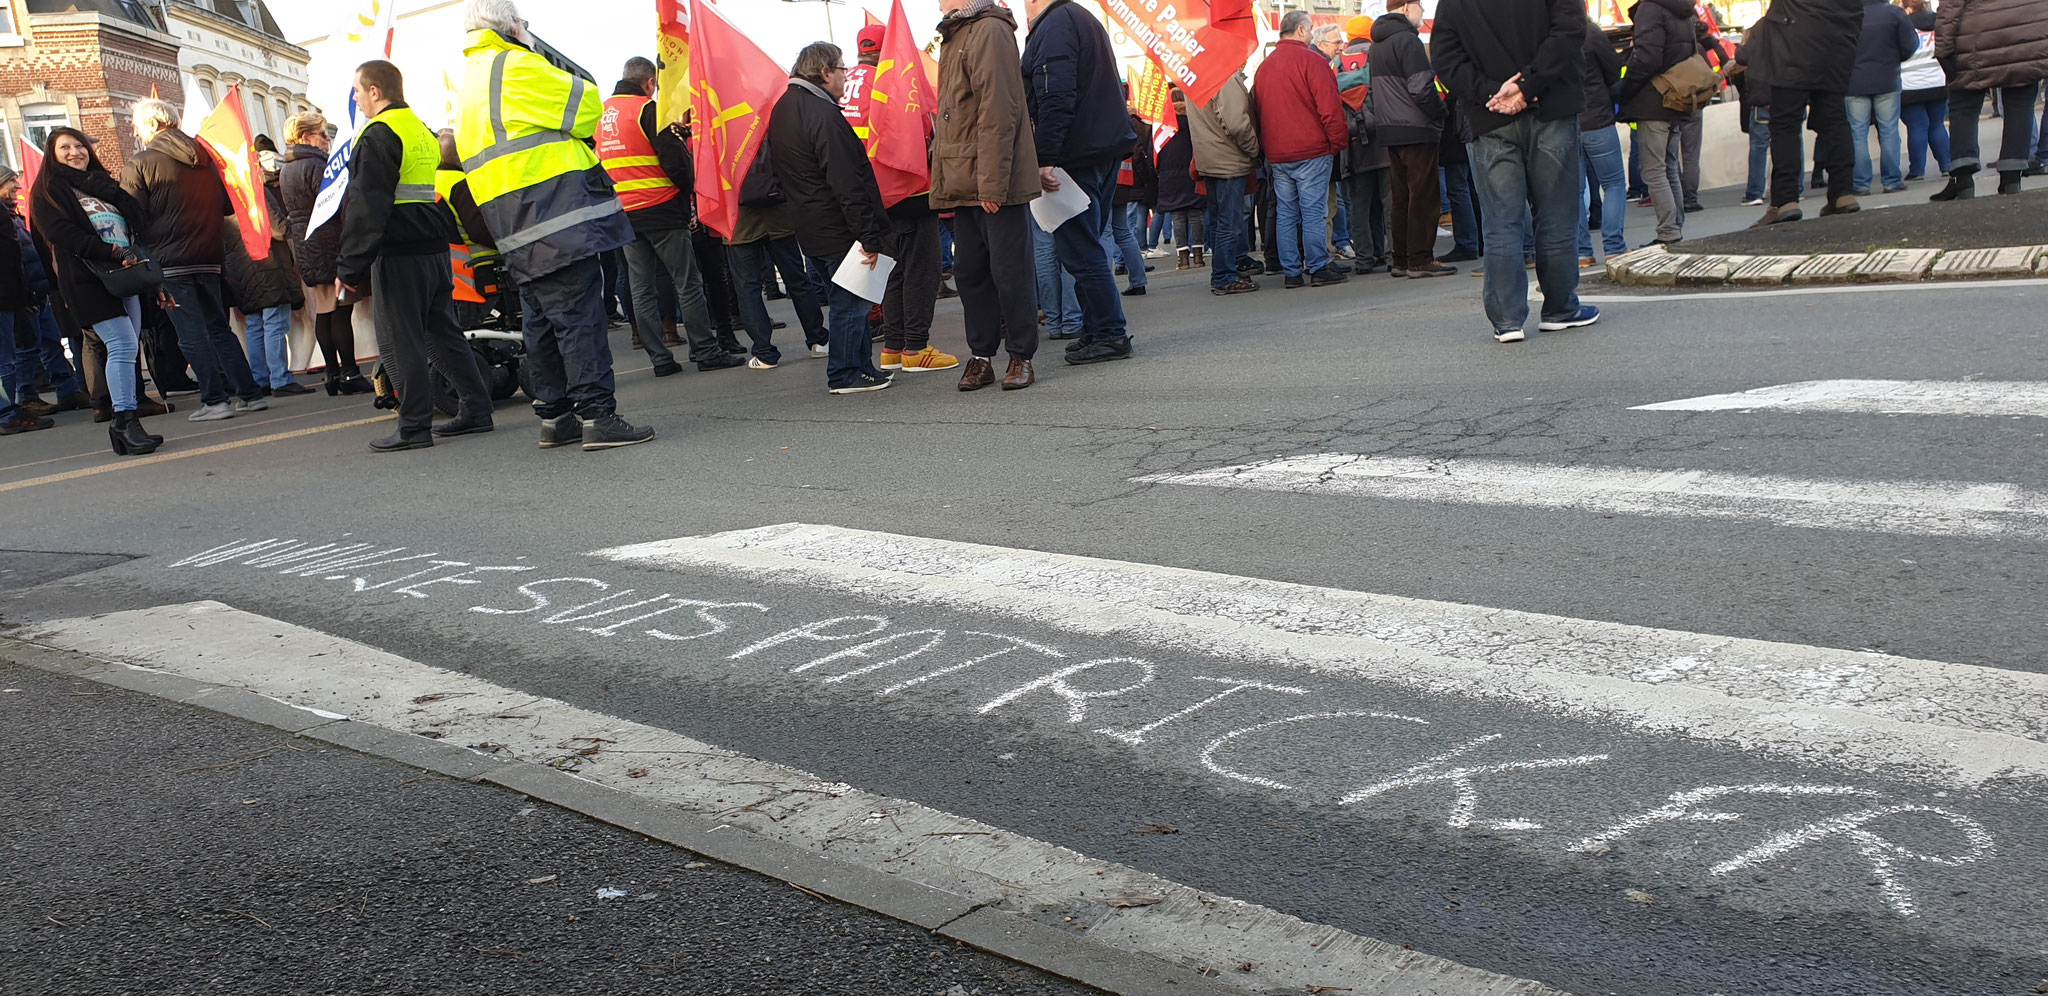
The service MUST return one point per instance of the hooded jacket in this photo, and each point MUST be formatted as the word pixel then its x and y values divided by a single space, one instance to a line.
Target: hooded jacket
pixel 1886 42
pixel 1071 80
pixel 1805 44
pixel 1295 101
pixel 177 185
pixel 825 175
pixel 1362 151
pixel 1478 45
pixel 298 183
pixel 1983 44
pixel 1225 141
pixel 982 143
pixel 1405 107
pixel 1663 38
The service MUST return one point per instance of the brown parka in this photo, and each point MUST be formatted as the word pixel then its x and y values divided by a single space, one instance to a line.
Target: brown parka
pixel 982 146
pixel 1984 44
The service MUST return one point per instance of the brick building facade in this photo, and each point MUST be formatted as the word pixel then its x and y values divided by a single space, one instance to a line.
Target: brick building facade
pixel 82 63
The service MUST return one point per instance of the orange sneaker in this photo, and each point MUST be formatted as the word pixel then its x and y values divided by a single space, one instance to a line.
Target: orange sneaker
pixel 892 359
pixel 928 358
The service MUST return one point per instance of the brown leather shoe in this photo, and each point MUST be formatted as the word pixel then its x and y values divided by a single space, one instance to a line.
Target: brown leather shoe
pixel 1019 375
pixel 1845 204
pixel 668 334
pixel 980 373
pixel 1783 212
pixel 636 342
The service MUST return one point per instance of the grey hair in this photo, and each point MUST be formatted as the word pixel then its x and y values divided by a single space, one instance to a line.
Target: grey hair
pixel 1316 37
pixel 817 59
pixel 501 16
pixel 1291 23
pixel 639 70
pixel 154 114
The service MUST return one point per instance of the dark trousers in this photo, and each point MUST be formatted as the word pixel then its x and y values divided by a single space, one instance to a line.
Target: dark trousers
pixel 568 354
pixel 1691 135
pixel 753 267
pixel 992 260
pixel 646 259
pixel 1226 233
pixel 208 343
pixel 1417 202
pixel 1267 211
pixel 1465 218
pixel 720 300
pixel 617 303
pixel 1369 196
pixel 1079 245
pixel 1964 107
pixel 1789 108
pixel 411 298
pixel 913 285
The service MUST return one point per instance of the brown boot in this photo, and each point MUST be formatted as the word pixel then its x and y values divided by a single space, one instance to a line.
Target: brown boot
pixel 1783 212
pixel 1181 258
pixel 668 334
pixel 1019 375
pixel 1845 204
pixel 1198 257
pixel 146 406
pixel 637 344
pixel 980 373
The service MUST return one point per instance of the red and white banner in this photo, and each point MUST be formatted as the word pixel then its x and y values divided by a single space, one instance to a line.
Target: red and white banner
pixel 1197 43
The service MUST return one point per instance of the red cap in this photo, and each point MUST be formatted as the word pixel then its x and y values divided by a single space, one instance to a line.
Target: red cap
pixel 869 39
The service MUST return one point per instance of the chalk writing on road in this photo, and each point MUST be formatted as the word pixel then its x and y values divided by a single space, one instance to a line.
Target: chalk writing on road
pixel 997 674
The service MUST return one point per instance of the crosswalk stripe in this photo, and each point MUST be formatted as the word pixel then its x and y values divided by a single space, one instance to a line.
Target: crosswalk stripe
pixel 1948 722
pixel 1889 397
pixel 1926 508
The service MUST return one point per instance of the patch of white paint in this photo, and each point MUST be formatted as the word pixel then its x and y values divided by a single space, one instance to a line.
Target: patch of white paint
pixel 1889 397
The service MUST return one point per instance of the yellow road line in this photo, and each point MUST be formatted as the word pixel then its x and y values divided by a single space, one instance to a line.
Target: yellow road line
pixel 182 454
pixel 181 439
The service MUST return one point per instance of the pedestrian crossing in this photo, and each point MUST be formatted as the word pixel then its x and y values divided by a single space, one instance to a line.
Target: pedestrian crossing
pixel 1887 397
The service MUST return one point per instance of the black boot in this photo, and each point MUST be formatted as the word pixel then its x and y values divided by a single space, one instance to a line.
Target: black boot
pixel 1962 185
pixel 333 384
pixel 2009 182
pixel 128 438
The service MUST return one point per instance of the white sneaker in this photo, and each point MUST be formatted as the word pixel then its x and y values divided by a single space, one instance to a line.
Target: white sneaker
pixel 1344 252
pixel 821 351
pixel 212 413
pixel 757 363
pixel 1753 202
pixel 258 405
pixel 1508 335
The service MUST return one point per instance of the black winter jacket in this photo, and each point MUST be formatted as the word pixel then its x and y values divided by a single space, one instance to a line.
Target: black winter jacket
pixel 35 255
pixel 1663 38
pixel 14 287
pixel 1144 188
pixel 177 184
pixel 1478 45
pixel 825 175
pixel 1805 44
pixel 1072 89
pixel 259 284
pixel 299 183
pixel 1603 71
pixel 62 222
pixel 1176 175
pixel 1405 107
pixel 375 225
pixel 1885 43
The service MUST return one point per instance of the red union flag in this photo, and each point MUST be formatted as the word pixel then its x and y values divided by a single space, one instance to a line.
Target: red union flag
pixel 1197 43
pixel 733 86
pixel 226 131
pixel 899 110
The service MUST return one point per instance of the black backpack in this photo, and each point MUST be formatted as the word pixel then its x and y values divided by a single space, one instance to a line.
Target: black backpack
pixel 760 188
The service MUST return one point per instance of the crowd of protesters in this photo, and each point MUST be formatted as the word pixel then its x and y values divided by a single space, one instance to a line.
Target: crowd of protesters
pixel 1339 157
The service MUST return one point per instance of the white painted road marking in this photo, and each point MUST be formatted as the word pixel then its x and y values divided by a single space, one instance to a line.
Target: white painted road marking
pixel 1925 508
pixel 213 642
pixel 1886 397
pixel 1947 722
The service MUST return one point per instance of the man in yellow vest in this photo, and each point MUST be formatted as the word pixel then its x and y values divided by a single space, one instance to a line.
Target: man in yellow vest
pixel 394 250
pixel 650 165
pixel 522 132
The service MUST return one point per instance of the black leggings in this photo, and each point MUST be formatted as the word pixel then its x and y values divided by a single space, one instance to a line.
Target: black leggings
pixel 336 333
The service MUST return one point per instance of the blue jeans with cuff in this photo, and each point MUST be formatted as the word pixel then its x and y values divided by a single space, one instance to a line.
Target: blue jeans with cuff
pixel 1528 164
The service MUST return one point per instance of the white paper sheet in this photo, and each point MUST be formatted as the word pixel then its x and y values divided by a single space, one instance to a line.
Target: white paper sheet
pixel 869 285
pixel 1053 208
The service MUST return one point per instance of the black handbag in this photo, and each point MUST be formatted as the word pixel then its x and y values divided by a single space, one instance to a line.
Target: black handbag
pixel 129 281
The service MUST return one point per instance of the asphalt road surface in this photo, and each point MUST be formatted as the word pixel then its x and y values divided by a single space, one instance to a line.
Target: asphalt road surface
pixel 1713 699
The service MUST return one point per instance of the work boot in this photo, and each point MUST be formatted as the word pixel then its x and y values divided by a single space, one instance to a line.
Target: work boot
pixel 1845 204
pixel 1962 185
pixel 668 334
pixel 610 432
pixel 560 431
pixel 1181 259
pixel 463 425
pixel 1198 261
pixel 400 441
pixel 39 408
pixel 637 344
pixel 1781 213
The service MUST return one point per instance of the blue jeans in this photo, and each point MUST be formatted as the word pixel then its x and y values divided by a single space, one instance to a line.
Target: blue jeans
pixel 1156 229
pixel 1120 245
pixel 12 370
pixel 1606 178
pixel 1883 110
pixel 1055 287
pixel 946 243
pixel 47 356
pixel 1226 239
pixel 1340 224
pixel 754 264
pixel 208 343
pixel 1523 165
pixel 1079 245
pixel 2041 133
pixel 123 339
pixel 268 337
pixel 1926 130
pixel 1301 193
pixel 850 350
pixel 1465 218
pixel 1759 182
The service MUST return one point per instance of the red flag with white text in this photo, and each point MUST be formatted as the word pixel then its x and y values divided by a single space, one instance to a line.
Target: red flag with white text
pixel 226 132
pixel 1197 43
pixel 733 87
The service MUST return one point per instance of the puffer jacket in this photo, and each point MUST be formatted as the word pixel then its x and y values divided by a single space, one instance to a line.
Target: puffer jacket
pixel 299 183
pixel 184 204
pixel 1983 44
pixel 982 144
pixel 266 283
pixel 1405 107
pixel 1226 142
pixel 1663 38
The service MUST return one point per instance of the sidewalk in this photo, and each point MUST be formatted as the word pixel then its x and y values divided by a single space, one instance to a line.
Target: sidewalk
pixel 159 848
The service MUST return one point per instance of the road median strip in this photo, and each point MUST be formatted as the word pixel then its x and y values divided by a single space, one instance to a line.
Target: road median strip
pixel 1658 266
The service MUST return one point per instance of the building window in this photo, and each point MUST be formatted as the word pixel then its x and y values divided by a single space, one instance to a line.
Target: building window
pixel 284 114
pixel 38 120
pixel 10 33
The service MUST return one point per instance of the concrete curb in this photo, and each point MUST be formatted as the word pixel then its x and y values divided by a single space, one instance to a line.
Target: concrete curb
pixel 1005 934
pixel 1657 266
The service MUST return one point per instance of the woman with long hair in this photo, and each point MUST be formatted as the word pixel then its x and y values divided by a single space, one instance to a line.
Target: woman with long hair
pixel 87 218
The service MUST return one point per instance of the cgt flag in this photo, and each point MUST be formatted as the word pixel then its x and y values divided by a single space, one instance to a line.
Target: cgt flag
pixel 893 100
pixel 672 58
pixel 226 132
pixel 733 86
pixel 1198 43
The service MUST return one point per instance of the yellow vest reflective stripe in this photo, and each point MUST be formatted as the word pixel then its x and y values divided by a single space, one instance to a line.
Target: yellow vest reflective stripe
pixel 418 158
pixel 628 155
